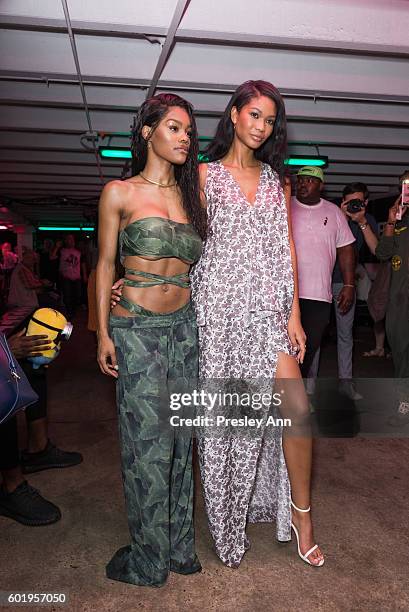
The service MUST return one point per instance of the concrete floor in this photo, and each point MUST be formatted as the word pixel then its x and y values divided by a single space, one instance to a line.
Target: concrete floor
pixel 360 505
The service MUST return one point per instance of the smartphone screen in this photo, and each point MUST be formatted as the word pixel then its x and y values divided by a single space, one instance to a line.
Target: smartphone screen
pixel 404 201
pixel 405 192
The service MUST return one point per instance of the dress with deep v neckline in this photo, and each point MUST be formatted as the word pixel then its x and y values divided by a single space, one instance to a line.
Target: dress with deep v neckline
pixel 245 198
pixel 242 292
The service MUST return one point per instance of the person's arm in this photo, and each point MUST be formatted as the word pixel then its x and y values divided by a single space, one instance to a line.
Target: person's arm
pixel 345 245
pixel 369 235
pixel 346 259
pixel 386 244
pixel 295 329
pixel 202 184
pixel 109 219
pixel 55 252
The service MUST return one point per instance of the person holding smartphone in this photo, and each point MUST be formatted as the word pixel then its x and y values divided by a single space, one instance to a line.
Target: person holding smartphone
pixel 394 246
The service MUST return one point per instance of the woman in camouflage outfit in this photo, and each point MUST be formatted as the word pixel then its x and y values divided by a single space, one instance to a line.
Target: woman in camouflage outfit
pixel 150 341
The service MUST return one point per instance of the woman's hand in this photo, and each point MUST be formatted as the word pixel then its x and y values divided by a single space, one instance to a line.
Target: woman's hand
pixel 116 292
pixel 297 336
pixel 106 356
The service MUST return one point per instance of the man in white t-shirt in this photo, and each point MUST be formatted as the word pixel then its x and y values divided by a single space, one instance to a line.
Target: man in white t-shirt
pixel 70 274
pixel 321 234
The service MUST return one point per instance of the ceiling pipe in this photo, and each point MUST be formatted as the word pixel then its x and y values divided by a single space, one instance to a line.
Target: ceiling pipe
pixel 168 44
pixel 81 84
pixel 206 87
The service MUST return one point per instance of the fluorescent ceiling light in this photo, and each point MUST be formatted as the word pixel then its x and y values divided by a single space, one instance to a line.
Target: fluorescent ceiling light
pixel 115 152
pixel 65 229
pixel 303 160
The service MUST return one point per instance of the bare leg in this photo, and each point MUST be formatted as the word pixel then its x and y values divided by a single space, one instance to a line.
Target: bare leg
pixel 37 435
pixel 379 331
pixel 297 446
pixel 12 478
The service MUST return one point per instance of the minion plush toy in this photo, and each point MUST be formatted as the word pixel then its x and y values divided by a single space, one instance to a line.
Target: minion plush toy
pixel 55 326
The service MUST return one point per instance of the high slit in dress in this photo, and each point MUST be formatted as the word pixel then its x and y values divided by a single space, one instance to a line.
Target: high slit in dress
pixel 242 291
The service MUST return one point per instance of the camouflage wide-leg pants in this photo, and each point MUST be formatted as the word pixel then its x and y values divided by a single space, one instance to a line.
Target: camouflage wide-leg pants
pixel 156 353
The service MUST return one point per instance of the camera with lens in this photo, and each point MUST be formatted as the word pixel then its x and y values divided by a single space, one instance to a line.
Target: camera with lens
pixel 355 205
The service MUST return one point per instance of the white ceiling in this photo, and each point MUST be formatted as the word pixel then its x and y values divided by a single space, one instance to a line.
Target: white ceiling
pixel 341 65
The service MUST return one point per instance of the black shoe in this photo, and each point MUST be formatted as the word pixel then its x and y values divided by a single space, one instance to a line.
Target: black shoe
pixel 25 505
pixel 50 457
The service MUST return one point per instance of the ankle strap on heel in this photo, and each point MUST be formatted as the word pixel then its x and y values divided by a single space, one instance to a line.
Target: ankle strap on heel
pixel 299 509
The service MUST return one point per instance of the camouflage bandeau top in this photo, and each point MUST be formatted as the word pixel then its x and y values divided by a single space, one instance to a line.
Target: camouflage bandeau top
pixel 159 237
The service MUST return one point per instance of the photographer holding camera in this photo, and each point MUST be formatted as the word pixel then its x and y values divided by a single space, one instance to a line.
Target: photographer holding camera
pixel 355 199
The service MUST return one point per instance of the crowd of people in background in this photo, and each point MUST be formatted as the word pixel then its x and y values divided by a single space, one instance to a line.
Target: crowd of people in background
pixel 54 275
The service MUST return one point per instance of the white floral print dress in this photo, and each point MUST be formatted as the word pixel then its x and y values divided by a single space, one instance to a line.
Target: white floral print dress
pixel 242 291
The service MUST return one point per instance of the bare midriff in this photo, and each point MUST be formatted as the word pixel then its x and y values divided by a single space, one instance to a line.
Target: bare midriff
pixel 162 298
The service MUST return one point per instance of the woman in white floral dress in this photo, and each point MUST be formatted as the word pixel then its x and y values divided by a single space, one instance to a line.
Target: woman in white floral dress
pixel 248 316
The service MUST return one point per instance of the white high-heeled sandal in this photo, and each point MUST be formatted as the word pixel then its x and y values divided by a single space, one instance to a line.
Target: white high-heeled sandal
pixel 307 554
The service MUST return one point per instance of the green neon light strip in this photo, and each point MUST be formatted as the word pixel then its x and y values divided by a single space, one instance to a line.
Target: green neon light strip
pixel 291 161
pixel 116 153
pixel 298 161
pixel 66 229
pixel 123 154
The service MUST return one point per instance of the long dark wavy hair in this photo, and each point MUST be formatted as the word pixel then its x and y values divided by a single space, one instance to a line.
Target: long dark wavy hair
pixel 274 149
pixel 151 112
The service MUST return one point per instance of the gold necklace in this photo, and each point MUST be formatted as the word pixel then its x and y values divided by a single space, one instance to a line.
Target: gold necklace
pixel 155 182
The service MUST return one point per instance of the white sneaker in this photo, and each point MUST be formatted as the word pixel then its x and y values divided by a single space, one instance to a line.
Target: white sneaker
pixel 347 388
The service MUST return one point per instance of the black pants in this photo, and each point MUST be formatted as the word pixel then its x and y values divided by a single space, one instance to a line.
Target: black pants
pixel 315 317
pixel 9 453
pixel 71 292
